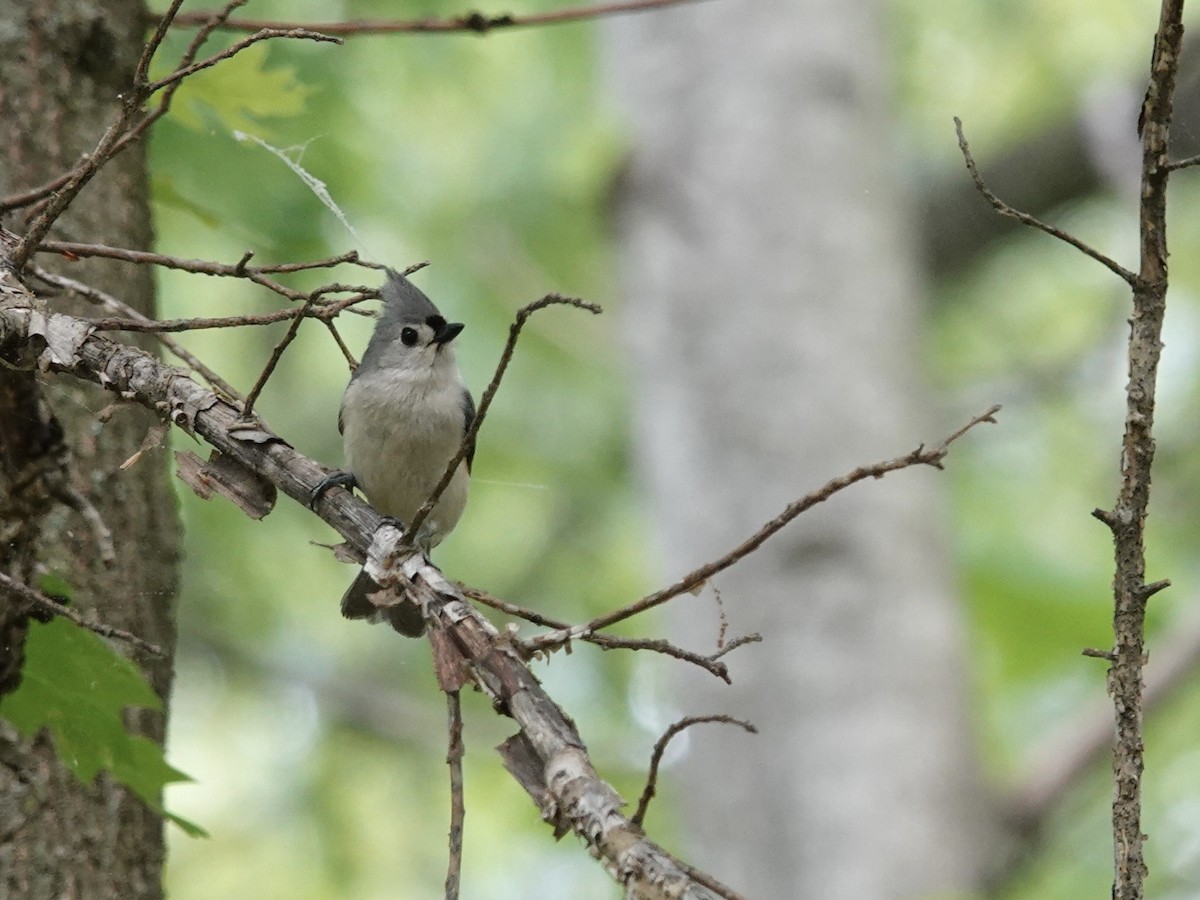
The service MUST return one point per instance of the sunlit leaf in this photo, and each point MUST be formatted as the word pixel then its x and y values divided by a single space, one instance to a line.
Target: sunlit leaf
pixel 239 93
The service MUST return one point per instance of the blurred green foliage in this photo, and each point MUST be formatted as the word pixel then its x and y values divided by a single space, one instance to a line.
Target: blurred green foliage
pixel 318 744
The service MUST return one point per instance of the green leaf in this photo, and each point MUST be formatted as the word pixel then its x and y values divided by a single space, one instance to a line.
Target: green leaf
pixel 54 585
pixel 77 687
pixel 239 92
pixel 167 193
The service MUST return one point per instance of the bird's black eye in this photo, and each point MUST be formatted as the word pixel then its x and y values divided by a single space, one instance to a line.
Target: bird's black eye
pixel 408 336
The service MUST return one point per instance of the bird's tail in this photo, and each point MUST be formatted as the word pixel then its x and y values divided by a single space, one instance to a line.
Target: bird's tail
pixel 405 617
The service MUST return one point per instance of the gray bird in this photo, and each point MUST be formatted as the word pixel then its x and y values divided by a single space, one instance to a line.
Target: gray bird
pixel 403 417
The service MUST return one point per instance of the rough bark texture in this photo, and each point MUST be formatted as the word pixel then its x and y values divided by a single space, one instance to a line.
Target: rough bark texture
pixel 547 757
pixel 1128 517
pixel 62 65
pixel 772 297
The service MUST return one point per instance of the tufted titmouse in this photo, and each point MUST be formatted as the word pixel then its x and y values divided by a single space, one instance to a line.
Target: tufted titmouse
pixel 402 419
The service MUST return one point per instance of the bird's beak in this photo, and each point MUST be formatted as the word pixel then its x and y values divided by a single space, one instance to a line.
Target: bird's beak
pixel 448 333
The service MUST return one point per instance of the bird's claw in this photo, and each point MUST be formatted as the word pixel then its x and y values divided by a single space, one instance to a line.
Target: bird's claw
pixel 334 479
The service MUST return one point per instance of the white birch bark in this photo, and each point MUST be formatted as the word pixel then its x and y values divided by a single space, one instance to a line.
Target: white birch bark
pixel 774 309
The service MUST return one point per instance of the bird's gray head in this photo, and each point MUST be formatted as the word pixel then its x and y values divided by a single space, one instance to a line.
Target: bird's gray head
pixel 411 333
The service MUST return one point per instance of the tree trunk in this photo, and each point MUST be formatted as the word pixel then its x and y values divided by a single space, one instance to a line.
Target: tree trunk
pixel 62 66
pixel 773 310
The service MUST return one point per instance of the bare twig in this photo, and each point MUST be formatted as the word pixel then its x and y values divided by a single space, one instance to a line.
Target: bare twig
pixel 660 747
pixel 547 755
pixel 919 457
pixel 159 326
pixel 61 198
pixel 1025 219
pixel 210 21
pixel 240 269
pixel 604 641
pixel 106 149
pixel 752 638
pixel 1060 763
pixel 1185 163
pixel 95 295
pixel 337 339
pixel 264 34
pixel 141 74
pixel 257 274
pixel 722 619
pixel 33 195
pixel 276 355
pixel 22 593
pixel 476 22
pixel 1127 519
pixel 458 808
pixel 413 528
pixel 133 122
pixel 105 549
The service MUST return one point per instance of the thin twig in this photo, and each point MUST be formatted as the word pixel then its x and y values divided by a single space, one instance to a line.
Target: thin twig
pixel 33 195
pixel 264 34
pixel 548 757
pixel 660 747
pixel 108 146
pixel 24 594
pixel 97 296
pixel 1025 219
pixel 474 22
pixel 105 549
pixel 601 640
pixel 240 269
pixel 211 20
pixel 753 638
pixel 298 316
pixel 412 529
pixel 257 274
pixel 132 123
pixel 142 73
pixel 159 326
pixel 1077 745
pixel 65 195
pixel 210 25
pixel 337 339
pixel 697 577
pixel 1186 163
pixel 722 619
pixel 458 807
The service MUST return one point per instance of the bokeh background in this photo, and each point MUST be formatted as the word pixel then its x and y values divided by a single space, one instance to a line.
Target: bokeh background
pixel 317 746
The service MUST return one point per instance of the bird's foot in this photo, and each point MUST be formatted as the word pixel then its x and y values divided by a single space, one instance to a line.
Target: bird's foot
pixel 334 479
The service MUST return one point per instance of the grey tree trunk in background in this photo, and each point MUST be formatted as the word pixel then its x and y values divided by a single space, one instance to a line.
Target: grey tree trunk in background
pixel 62 66
pixel 771 293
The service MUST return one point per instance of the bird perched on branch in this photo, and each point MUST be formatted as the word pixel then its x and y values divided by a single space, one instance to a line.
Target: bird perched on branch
pixel 403 418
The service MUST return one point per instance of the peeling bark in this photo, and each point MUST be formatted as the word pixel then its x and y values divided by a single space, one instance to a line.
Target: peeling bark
pixel 553 763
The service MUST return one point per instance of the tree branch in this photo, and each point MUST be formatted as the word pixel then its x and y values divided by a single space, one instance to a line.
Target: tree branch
pixel 709 663
pixel 42 605
pixel 1065 758
pixel 458 806
pixel 485 402
pixel 1127 519
pixel 471 22
pixel 697 577
pixel 547 755
pixel 1025 219
pixel 660 747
